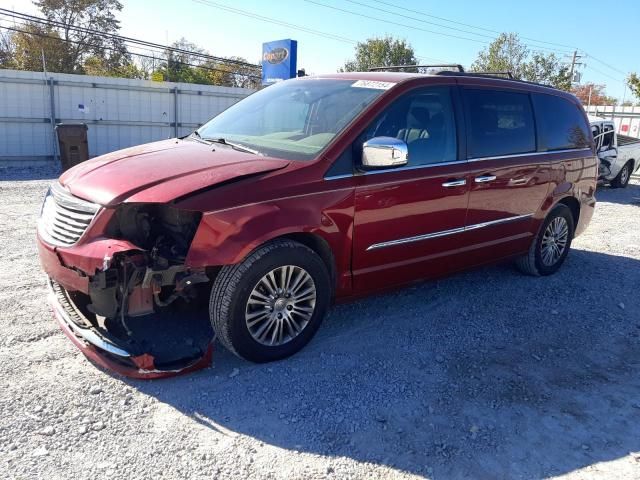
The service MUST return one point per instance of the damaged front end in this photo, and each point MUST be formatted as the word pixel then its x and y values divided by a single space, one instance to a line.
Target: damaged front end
pixel 141 310
pixel 604 169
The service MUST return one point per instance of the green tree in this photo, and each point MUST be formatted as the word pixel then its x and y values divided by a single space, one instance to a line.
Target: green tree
pixel 232 74
pixel 380 52
pixel 29 46
pixel 97 66
pixel 7 49
pixel 547 69
pixel 508 54
pixel 72 19
pixel 633 82
pixel 181 66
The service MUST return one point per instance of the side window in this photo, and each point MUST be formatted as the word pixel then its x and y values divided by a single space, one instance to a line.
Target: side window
pixel 498 123
pixel 561 124
pixel 607 138
pixel 425 120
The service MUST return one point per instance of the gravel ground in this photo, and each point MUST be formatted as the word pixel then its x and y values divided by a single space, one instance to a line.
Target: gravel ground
pixel 486 374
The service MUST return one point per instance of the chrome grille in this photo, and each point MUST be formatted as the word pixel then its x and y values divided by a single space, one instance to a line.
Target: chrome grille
pixel 64 218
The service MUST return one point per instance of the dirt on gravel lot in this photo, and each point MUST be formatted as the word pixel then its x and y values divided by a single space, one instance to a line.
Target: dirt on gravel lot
pixel 486 374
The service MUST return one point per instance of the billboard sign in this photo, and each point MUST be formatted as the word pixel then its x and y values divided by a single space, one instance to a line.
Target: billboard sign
pixel 279 61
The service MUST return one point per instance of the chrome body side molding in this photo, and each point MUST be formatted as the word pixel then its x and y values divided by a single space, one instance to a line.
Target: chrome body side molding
pixel 444 233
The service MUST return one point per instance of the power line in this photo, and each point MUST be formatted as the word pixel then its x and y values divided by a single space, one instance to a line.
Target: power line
pixel 274 21
pixel 248 75
pixel 277 22
pixel 418 20
pixel 491 37
pixel 467 24
pixel 484 42
pixel 605 64
pixel 605 74
pixel 44 21
pixel 394 23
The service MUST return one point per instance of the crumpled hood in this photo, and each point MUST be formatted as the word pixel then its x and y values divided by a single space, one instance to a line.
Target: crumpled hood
pixel 161 171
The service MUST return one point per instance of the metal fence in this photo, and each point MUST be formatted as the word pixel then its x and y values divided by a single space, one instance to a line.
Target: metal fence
pixel 626 119
pixel 119 112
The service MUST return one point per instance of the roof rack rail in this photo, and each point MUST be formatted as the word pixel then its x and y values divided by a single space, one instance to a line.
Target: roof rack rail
pixel 507 74
pixel 457 66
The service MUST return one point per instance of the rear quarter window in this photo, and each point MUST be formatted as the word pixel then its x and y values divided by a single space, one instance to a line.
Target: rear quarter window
pixel 498 123
pixel 561 123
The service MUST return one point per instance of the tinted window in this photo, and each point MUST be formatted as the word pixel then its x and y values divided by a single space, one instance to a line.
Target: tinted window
pixel 425 121
pixel 561 123
pixel 499 123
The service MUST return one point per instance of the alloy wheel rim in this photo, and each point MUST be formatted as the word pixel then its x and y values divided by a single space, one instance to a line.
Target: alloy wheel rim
pixel 624 175
pixel 280 305
pixel 554 241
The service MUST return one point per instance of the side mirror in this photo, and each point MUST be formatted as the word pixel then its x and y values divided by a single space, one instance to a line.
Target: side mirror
pixel 384 152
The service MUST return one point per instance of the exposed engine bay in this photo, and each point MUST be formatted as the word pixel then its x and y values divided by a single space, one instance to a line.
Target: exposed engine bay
pixel 147 301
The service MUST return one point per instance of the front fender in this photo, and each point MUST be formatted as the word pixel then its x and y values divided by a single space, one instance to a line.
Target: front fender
pixel 227 236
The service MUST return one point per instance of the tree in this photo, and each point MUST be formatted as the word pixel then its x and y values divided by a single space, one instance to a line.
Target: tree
pixel 508 54
pixel 633 81
pixel 7 49
pixel 72 20
pixel 549 70
pixel 179 66
pixel 597 93
pixel 99 67
pixel 183 62
pixel 29 46
pixel 380 52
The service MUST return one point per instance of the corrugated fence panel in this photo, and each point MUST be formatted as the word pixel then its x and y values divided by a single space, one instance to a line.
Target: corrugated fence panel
pixel 119 112
pixel 626 119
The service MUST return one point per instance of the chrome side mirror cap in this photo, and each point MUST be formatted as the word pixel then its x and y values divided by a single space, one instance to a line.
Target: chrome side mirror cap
pixel 384 152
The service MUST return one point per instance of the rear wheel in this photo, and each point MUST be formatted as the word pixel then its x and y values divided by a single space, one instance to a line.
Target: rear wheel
pixel 551 245
pixel 622 179
pixel 271 304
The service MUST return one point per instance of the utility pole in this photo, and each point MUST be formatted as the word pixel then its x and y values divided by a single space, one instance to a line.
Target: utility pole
pixel 574 62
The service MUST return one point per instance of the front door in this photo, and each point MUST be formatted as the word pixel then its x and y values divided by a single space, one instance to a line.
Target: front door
pixel 409 221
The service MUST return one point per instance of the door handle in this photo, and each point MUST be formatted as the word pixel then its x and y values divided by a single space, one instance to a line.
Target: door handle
pixel 454 183
pixel 485 178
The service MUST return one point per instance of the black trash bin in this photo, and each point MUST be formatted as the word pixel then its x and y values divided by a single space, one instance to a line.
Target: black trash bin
pixel 72 139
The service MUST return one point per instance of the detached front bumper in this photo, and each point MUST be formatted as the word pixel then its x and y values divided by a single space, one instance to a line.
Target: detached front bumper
pixel 106 352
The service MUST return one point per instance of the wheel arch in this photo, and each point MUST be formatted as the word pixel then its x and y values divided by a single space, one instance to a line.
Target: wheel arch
pixel 574 206
pixel 320 246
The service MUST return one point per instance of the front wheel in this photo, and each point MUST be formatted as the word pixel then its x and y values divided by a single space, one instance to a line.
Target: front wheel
pixel 271 304
pixel 622 179
pixel 551 245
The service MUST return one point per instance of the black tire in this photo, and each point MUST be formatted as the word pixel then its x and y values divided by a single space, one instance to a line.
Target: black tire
pixel 532 263
pixel 234 284
pixel 622 179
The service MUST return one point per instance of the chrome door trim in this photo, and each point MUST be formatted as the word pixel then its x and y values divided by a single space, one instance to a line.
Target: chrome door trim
pixel 443 233
pixel 454 162
pixel 530 154
pixel 417 238
pixel 497 222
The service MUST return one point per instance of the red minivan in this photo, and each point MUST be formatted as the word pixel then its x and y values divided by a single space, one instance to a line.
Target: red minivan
pixel 310 191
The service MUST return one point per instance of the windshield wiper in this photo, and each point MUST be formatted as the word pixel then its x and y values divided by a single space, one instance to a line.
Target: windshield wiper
pixel 233 145
pixel 196 135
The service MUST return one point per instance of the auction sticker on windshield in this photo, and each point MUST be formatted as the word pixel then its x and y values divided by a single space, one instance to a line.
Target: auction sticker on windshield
pixel 373 84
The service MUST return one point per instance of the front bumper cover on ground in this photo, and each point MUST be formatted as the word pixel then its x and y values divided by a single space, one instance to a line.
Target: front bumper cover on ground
pixel 107 353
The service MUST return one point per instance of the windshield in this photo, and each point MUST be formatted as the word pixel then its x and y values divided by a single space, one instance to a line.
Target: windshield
pixel 294 119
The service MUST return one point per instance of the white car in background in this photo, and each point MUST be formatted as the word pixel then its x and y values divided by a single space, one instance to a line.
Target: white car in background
pixel 619 155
